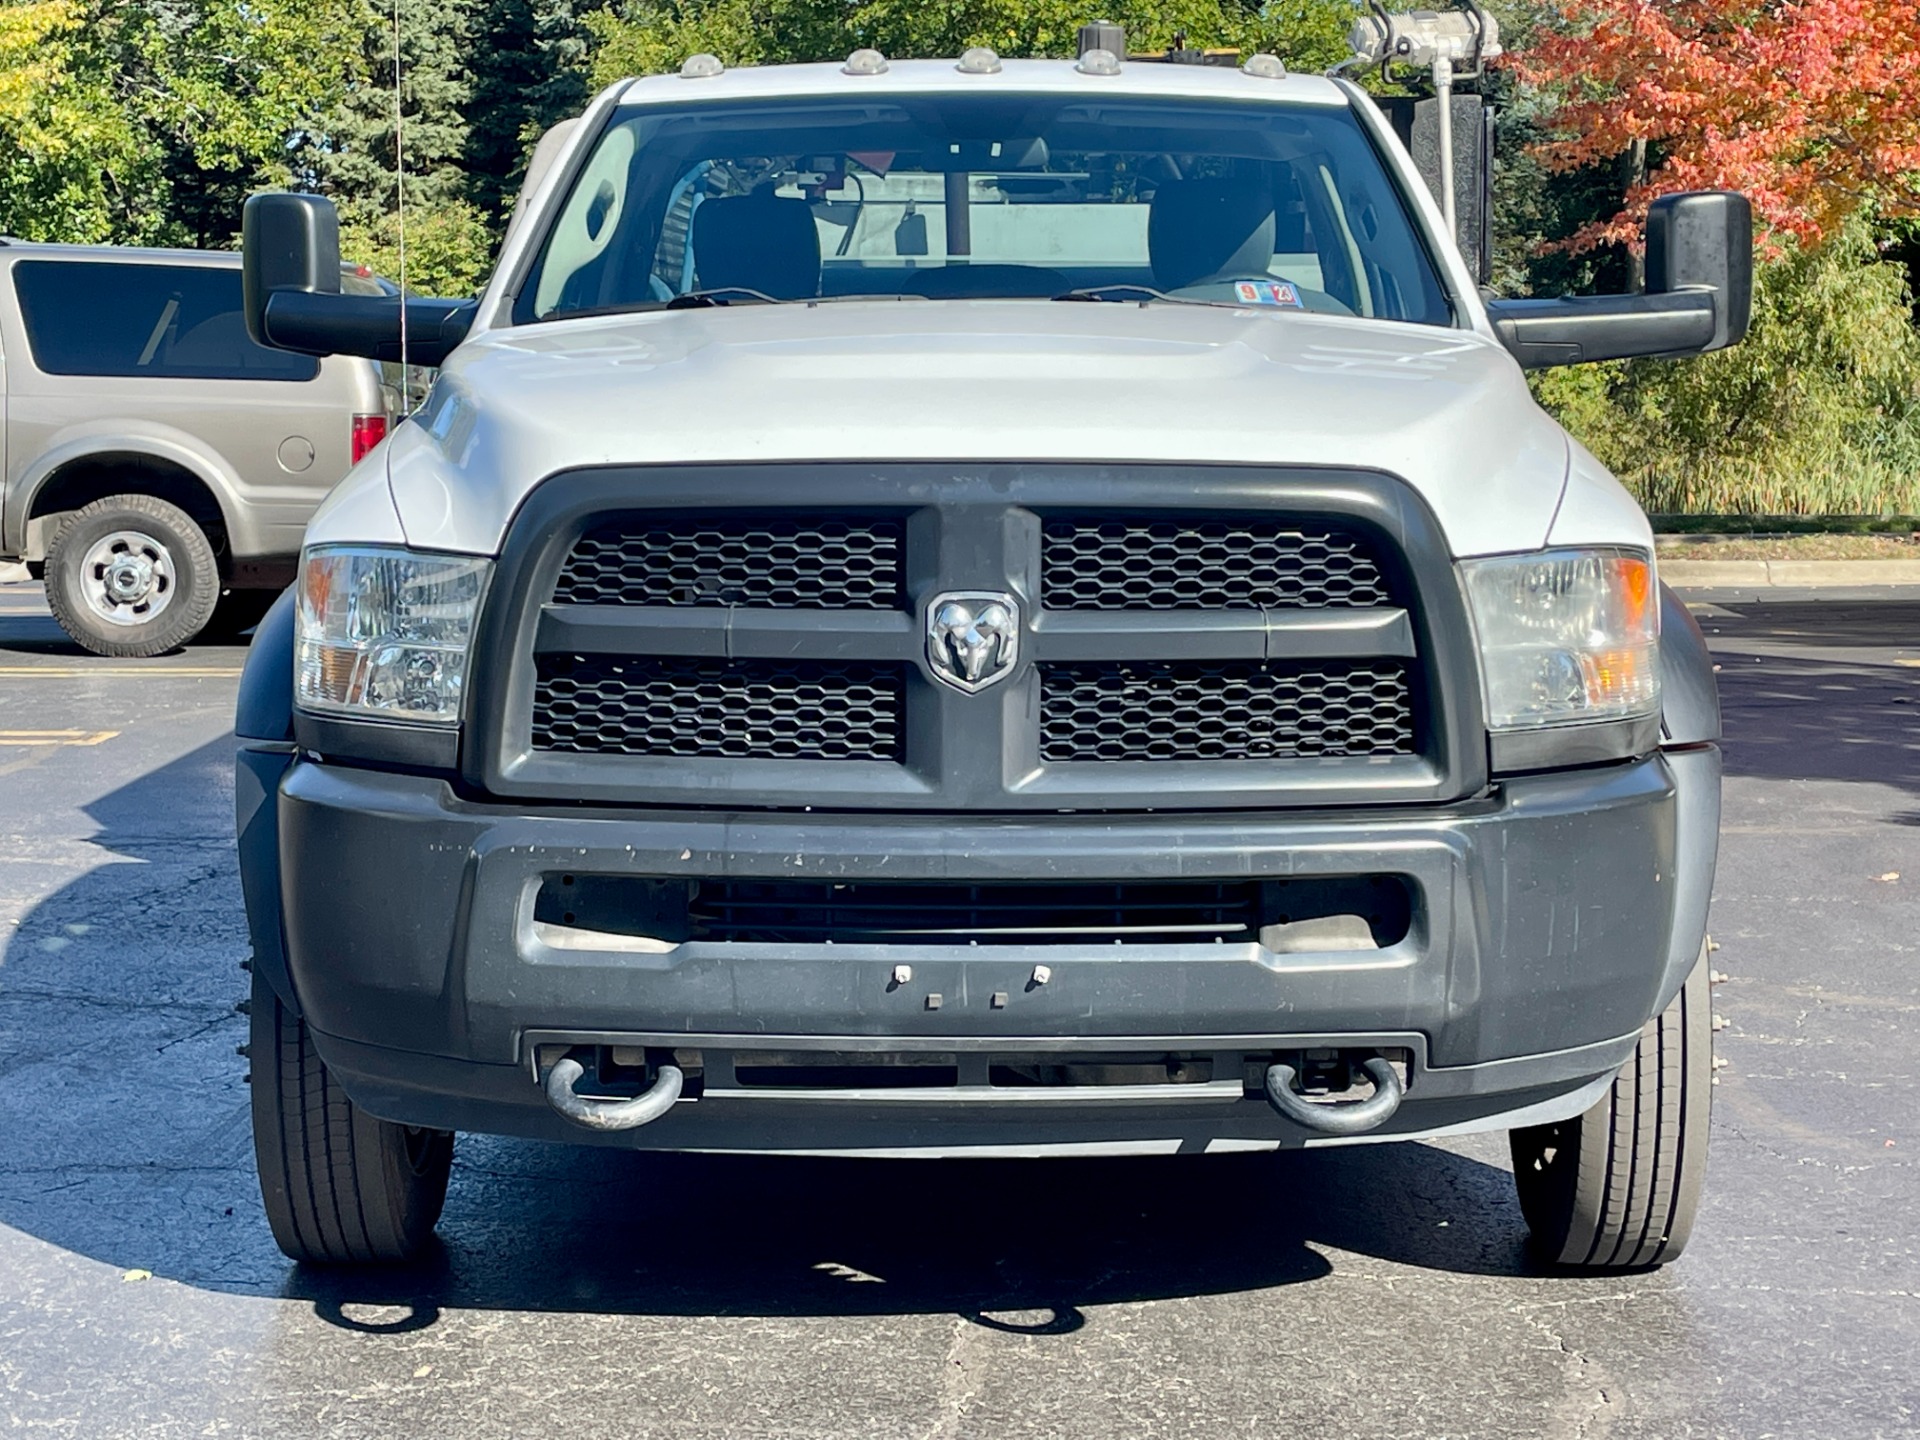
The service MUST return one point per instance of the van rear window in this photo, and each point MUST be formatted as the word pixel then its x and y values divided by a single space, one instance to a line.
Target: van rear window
pixel 180 322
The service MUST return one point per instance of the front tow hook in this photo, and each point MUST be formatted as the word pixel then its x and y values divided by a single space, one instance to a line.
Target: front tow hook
pixel 641 1110
pixel 1340 1117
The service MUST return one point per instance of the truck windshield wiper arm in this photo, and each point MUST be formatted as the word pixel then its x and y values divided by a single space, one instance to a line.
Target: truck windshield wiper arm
pixel 722 295
pixel 1142 293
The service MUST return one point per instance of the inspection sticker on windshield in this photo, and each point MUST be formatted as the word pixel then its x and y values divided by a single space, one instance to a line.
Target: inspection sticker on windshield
pixel 1268 292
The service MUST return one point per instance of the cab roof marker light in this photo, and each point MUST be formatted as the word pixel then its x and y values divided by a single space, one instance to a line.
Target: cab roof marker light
pixel 978 60
pixel 1098 62
pixel 1265 67
pixel 701 67
pixel 865 62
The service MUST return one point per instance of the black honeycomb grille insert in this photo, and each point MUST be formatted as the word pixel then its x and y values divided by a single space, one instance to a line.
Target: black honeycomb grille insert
pixel 744 710
pixel 1226 564
pixel 770 562
pixel 1181 710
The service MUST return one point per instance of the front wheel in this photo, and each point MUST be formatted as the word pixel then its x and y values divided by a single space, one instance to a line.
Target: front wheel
pixel 131 576
pixel 1618 1187
pixel 340 1186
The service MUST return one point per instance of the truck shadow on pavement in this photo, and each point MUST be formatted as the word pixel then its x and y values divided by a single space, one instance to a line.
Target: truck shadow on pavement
pixel 1023 1246
pixel 128 1143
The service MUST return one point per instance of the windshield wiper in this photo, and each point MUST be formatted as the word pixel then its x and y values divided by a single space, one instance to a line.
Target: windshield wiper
pixel 722 295
pixel 1142 293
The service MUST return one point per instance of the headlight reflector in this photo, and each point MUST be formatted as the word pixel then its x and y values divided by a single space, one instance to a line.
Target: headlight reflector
pixel 384 632
pixel 1566 636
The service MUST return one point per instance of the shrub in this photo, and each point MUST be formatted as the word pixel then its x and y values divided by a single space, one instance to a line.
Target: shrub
pixel 1817 412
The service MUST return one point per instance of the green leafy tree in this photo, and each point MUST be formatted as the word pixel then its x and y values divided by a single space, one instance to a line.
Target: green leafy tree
pixel 449 247
pixel 217 92
pixel 650 36
pixel 150 122
pixel 67 151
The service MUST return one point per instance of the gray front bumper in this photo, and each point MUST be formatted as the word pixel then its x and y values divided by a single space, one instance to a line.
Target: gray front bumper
pixel 1552 921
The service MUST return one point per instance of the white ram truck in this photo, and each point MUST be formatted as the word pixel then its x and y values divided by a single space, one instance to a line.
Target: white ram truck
pixel 977 608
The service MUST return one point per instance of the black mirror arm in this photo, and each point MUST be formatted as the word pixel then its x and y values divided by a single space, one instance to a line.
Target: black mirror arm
pixel 1584 328
pixel 366 325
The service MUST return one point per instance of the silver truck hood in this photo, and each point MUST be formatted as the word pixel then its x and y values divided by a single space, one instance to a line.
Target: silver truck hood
pixel 1446 410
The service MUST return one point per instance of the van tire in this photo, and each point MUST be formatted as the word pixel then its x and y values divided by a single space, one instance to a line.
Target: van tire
pixel 131 576
pixel 340 1186
pixel 1617 1188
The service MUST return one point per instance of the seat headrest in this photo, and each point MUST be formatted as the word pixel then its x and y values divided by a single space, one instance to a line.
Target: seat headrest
pixel 759 242
pixel 1209 229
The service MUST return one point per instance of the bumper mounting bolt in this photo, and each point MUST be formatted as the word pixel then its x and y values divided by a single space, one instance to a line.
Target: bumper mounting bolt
pixel 1718 977
pixel 243 1050
pixel 1719 1022
pixel 1041 974
pixel 902 974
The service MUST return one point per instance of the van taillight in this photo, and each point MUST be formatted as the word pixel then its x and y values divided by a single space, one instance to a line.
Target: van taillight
pixel 368 431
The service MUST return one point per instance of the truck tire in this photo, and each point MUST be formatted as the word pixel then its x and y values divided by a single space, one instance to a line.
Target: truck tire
pixel 1618 1187
pixel 340 1186
pixel 131 576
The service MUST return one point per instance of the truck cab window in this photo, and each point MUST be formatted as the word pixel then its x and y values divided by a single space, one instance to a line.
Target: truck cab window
pixel 959 197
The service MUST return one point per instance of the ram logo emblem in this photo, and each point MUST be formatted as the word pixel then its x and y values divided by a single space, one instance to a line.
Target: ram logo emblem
pixel 973 637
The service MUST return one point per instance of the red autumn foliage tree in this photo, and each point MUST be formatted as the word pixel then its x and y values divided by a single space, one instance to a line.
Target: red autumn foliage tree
pixel 1812 107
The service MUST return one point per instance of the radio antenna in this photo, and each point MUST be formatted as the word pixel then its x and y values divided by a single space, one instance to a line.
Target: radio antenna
pixel 400 211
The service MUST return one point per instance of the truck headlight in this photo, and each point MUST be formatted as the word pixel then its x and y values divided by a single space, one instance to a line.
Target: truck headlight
pixel 1566 636
pixel 384 633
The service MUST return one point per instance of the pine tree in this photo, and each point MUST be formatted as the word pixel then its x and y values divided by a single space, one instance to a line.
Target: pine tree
pixel 529 72
pixel 355 157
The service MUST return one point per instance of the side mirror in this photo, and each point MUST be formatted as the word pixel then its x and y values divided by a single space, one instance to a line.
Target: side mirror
pixel 1699 293
pixel 287 242
pixel 1703 242
pixel 290 287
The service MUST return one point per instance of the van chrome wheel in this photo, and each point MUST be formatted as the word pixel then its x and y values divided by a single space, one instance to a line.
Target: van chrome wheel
pixel 131 576
pixel 127 578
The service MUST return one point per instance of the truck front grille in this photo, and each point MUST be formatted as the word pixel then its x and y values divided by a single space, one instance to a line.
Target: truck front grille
pixel 783 562
pixel 1176 710
pixel 607 705
pixel 1191 564
pixel 1187 637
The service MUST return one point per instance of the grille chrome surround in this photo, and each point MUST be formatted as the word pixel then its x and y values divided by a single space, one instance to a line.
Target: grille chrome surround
pixel 1192 563
pixel 1181 710
pixel 782 562
pixel 760 710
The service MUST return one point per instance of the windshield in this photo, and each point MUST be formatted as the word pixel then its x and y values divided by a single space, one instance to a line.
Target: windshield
pixel 975 197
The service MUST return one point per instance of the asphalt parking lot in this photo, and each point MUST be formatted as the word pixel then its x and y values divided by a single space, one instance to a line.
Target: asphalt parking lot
pixel 1373 1291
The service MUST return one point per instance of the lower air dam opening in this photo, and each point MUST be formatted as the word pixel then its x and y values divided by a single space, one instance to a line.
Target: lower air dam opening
pixel 641 914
